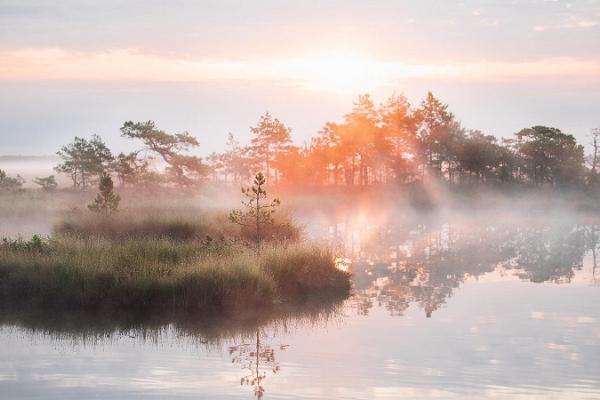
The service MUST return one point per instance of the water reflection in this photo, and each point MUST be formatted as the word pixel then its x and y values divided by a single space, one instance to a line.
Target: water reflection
pixel 484 313
pixel 257 358
pixel 397 265
pixel 248 337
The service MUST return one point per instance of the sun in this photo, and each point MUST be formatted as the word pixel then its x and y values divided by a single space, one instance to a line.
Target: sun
pixel 341 72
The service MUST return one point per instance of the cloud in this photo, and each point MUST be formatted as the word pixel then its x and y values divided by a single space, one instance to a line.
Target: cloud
pixel 315 72
pixel 570 22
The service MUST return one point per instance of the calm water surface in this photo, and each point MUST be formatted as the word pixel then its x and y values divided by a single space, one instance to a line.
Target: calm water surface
pixel 439 310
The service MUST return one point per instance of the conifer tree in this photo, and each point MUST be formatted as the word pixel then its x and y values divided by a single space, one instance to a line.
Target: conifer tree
pixel 257 212
pixel 106 201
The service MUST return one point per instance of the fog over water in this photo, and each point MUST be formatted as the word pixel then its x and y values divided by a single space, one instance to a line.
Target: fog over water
pixel 463 301
pixel 422 220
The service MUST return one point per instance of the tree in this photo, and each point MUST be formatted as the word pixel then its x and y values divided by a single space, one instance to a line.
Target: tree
pixel 593 179
pixel 399 129
pixel 434 121
pixel 291 164
pixel 131 169
pixel 236 161
pixel 271 139
pixel 510 162
pixel 9 184
pixel 183 170
pixel 595 135
pixel 216 166
pixel 480 156
pixel 257 212
pixel 361 139
pixel 325 155
pixel 257 359
pixel 48 184
pixel 106 201
pixel 551 156
pixel 84 160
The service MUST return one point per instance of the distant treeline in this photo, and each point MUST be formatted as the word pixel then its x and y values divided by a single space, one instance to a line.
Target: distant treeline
pixel 394 143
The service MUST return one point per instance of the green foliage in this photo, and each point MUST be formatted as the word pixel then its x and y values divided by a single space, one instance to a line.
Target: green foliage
pixel 107 201
pixel 255 212
pixel 48 184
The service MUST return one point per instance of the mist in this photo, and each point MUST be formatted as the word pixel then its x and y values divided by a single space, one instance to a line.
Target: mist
pixel 299 200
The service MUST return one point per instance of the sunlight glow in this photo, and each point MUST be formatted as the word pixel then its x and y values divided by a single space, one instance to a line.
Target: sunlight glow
pixel 338 72
pixel 343 264
pixel 333 71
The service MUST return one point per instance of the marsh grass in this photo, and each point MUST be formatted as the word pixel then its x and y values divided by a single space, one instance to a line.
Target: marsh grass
pixel 152 274
pixel 175 224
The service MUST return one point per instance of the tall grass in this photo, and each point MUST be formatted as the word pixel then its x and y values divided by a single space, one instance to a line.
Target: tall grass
pixel 143 274
pixel 165 223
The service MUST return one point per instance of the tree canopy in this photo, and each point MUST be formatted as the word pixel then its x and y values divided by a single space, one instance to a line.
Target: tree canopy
pixel 393 143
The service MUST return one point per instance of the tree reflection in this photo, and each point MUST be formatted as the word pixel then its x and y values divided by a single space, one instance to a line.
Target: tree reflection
pixel 257 359
pixel 401 264
pixel 253 332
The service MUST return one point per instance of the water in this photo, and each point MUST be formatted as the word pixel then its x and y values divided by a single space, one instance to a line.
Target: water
pixel 459 309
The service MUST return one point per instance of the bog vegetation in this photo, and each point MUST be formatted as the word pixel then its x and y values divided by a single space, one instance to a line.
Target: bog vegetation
pixel 108 259
pixel 109 253
pixel 158 274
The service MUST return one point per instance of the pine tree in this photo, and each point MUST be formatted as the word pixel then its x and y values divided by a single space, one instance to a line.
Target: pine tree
pixel 48 183
pixel 271 140
pixel 255 213
pixel 107 201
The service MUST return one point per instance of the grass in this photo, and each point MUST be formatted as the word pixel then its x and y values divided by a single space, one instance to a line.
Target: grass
pixel 161 253
pixel 164 223
pixel 153 274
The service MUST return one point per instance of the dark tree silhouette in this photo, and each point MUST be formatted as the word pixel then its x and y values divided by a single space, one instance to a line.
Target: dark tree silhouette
pixel 106 201
pixel 182 169
pixel 84 160
pixel 551 156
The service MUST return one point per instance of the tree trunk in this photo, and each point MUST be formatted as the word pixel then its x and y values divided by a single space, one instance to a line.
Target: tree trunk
pixel 257 223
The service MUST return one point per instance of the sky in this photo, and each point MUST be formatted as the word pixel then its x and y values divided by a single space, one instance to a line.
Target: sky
pixel 72 68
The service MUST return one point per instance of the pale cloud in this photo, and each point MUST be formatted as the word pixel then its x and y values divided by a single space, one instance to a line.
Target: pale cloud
pixel 322 71
pixel 570 22
pixel 489 22
pixel 576 22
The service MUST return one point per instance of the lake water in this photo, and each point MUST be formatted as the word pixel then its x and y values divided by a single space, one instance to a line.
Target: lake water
pixel 439 310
